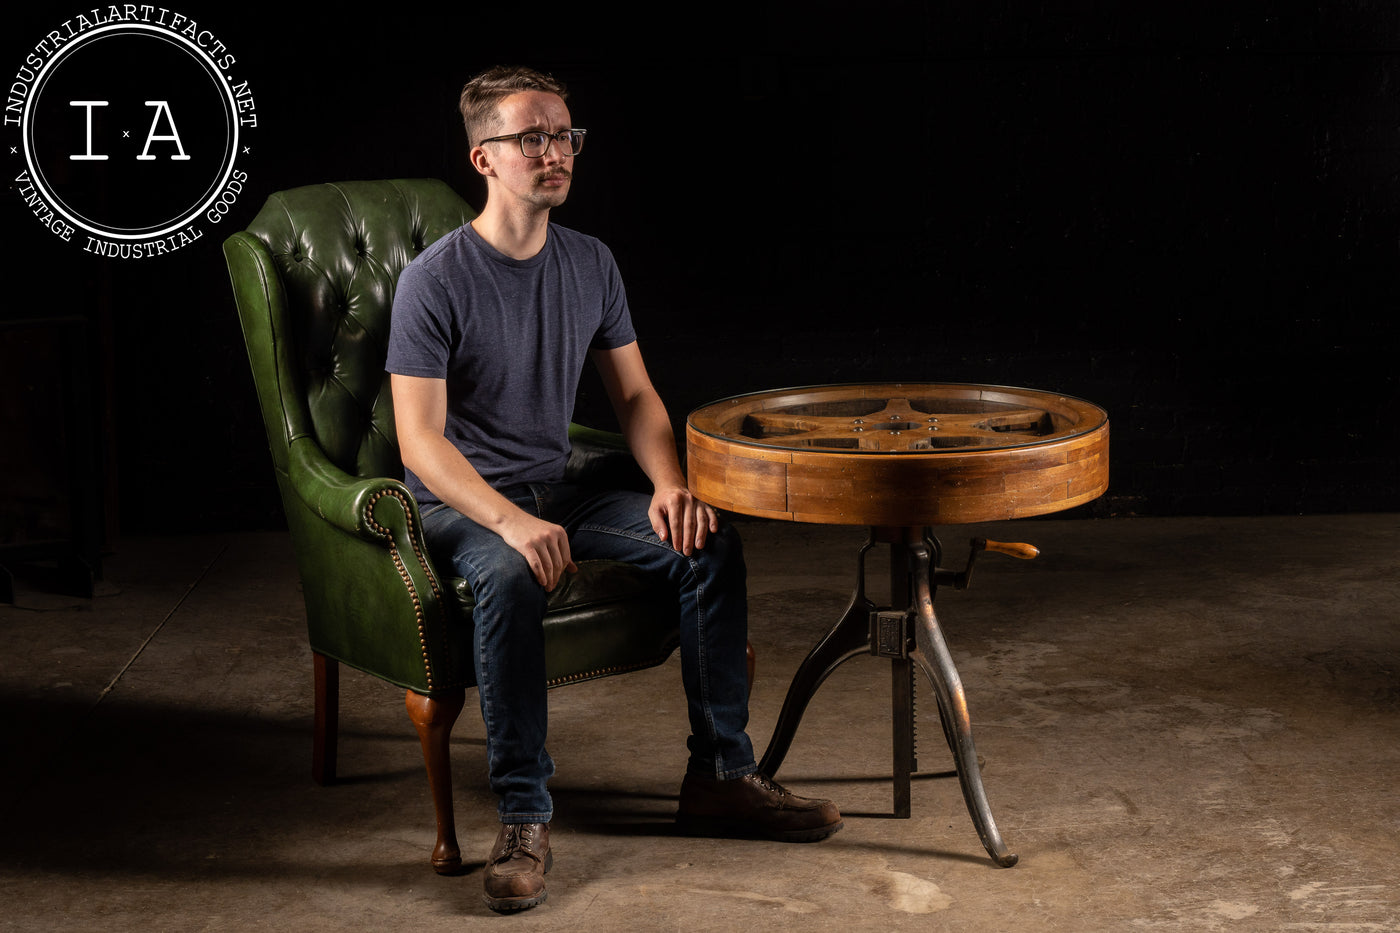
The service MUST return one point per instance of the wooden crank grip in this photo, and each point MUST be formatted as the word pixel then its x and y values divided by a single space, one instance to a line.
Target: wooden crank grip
pixel 1015 549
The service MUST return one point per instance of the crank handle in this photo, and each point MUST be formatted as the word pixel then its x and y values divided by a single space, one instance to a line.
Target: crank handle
pixel 1017 550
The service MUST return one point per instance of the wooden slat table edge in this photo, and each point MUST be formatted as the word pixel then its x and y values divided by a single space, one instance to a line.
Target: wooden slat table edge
pixel 924 487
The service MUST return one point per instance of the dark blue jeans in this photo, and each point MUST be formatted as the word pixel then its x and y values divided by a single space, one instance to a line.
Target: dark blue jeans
pixel 509 637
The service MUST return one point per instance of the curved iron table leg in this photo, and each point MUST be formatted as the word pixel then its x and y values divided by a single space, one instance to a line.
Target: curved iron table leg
pixel 849 637
pixel 931 654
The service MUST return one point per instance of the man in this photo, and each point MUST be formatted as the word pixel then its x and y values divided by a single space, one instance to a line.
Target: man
pixel 491 327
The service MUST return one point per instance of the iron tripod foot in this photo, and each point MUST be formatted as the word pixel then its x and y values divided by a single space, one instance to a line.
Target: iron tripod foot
pixel 910 637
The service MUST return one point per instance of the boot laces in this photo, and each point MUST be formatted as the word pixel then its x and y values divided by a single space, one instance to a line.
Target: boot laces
pixel 518 839
pixel 769 784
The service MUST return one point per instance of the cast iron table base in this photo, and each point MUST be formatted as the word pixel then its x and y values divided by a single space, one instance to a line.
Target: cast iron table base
pixel 910 637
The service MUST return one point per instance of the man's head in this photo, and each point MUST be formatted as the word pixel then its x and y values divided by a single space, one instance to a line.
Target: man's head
pixel 483 94
pixel 521 136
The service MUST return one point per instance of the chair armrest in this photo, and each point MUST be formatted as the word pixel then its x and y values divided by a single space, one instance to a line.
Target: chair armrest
pixel 373 598
pixel 602 458
pixel 345 501
pixel 596 438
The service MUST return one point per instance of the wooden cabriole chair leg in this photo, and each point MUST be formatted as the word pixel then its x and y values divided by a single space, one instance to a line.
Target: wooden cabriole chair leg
pixel 326 685
pixel 434 716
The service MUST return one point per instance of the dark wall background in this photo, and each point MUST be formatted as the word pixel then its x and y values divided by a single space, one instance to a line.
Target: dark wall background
pixel 1187 213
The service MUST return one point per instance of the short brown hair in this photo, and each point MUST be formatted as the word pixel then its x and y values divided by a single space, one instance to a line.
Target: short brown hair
pixel 482 93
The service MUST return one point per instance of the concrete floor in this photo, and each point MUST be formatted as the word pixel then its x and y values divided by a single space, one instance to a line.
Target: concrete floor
pixel 1188 724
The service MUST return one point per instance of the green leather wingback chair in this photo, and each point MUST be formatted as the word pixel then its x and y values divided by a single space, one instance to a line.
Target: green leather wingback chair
pixel 313 277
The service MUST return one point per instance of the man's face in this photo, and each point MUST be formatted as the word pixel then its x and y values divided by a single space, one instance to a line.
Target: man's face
pixel 542 182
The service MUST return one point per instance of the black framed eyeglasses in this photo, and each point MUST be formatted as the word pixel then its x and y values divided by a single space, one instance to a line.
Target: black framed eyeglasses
pixel 535 143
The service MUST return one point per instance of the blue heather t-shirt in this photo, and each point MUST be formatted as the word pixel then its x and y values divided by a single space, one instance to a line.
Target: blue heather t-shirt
pixel 510 336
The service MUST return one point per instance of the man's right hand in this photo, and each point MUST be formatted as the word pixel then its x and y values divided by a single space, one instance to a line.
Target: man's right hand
pixel 420 412
pixel 544 545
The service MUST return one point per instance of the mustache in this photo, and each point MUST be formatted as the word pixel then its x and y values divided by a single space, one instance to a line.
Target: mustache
pixel 554 173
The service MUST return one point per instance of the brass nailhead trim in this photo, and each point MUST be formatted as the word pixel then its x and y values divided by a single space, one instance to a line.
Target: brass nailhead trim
pixel 604 672
pixel 403 571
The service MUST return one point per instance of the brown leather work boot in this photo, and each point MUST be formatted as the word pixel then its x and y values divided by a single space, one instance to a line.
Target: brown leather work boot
pixel 516 867
pixel 753 806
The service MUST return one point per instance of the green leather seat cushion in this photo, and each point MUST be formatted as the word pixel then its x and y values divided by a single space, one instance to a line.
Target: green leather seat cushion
pixel 607 618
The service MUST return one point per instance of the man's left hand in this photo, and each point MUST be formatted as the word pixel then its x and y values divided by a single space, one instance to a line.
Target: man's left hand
pixel 681 519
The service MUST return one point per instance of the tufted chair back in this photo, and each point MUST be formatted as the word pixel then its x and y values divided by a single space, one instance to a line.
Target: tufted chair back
pixel 338 250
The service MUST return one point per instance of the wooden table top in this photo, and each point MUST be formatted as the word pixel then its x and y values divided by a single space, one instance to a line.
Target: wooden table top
pixel 898 454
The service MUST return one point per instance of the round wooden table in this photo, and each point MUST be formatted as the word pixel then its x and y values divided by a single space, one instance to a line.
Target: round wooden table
pixel 899 458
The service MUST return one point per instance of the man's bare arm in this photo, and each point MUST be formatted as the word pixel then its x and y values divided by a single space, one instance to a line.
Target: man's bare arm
pixel 676 515
pixel 420 413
